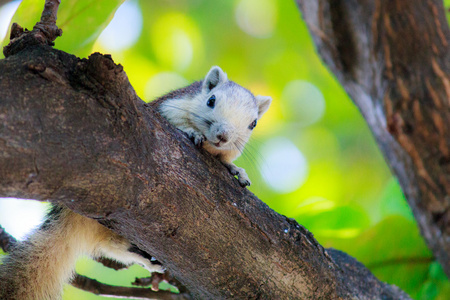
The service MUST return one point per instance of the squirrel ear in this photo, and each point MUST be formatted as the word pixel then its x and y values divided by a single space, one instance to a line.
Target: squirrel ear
pixel 263 103
pixel 214 78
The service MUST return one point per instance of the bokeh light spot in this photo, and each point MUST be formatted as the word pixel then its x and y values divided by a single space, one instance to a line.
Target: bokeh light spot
pixel 175 38
pixel 257 17
pixel 284 167
pixel 124 29
pixel 302 102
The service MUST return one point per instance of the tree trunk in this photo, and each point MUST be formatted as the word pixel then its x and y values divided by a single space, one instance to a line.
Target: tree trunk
pixel 73 131
pixel 393 59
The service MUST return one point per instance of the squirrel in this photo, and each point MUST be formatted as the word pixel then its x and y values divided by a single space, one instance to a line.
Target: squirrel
pixel 216 113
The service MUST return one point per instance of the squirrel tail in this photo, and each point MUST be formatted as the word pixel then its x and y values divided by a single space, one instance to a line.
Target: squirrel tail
pixel 38 267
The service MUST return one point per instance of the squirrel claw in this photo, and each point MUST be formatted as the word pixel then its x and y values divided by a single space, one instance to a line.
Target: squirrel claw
pixel 244 183
pixel 240 173
pixel 197 138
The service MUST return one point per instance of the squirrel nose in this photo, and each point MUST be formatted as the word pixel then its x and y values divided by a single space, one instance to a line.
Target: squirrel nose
pixel 222 138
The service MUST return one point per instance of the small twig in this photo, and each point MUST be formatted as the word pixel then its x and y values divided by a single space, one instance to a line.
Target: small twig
pixel 101 289
pixel 156 279
pixel 47 24
pixel 44 32
pixel 400 261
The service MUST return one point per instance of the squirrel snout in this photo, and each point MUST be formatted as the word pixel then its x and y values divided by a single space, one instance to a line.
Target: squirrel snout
pixel 221 134
pixel 222 137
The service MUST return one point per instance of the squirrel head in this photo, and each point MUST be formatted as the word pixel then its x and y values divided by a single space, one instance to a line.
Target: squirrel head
pixel 229 112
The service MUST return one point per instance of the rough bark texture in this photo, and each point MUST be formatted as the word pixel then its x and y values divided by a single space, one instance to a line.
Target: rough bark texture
pixel 73 131
pixel 393 59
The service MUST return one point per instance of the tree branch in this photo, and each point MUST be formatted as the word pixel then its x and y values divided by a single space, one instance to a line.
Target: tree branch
pixel 101 289
pixel 401 261
pixel 47 24
pixel 393 59
pixel 156 279
pixel 76 133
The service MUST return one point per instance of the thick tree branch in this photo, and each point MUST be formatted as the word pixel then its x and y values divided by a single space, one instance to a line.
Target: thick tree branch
pixel 393 59
pixel 73 131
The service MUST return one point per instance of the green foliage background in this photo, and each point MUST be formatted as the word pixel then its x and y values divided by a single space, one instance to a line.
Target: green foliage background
pixel 348 199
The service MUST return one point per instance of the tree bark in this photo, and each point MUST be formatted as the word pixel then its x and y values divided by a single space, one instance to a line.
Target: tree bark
pixel 393 59
pixel 74 132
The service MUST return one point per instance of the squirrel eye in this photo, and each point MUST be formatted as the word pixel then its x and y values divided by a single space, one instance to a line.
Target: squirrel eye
pixel 211 101
pixel 252 125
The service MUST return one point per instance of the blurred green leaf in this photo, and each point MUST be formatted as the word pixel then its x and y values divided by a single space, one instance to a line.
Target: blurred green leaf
pixel 82 21
pixel 394 251
pixel 428 291
pixel 437 286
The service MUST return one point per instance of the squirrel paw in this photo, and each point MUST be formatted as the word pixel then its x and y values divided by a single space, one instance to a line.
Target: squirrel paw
pixel 244 180
pixel 240 173
pixel 157 268
pixel 196 137
pixel 152 267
